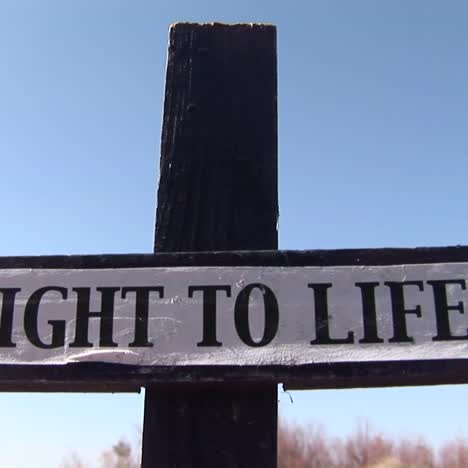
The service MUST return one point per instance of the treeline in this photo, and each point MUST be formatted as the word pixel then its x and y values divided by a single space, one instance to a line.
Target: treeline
pixel 311 447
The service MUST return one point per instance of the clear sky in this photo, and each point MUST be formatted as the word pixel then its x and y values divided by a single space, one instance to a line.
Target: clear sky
pixel 373 147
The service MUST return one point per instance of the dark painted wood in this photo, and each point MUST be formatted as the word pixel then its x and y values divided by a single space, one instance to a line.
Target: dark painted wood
pixel 218 171
pixel 283 258
pixel 212 426
pixel 116 378
pixel 112 377
pixel 217 191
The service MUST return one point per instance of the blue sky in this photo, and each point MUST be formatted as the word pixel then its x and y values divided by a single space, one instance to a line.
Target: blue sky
pixel 373 147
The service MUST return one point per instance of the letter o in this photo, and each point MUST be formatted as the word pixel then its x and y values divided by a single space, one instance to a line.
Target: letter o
pixel 241 315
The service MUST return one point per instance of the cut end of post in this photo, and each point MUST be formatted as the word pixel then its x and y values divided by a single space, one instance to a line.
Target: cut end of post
pixel 222 28
pixel 218 183
pixel 216 24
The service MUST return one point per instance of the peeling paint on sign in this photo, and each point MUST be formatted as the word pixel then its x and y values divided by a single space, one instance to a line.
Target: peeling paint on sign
pixel 233 315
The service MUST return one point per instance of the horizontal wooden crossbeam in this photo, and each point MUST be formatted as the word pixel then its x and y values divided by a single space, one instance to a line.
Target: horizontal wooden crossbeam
pixel 101 376
pixel 380 256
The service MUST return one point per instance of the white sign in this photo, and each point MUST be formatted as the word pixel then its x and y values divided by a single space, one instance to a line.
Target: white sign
pixel 234 315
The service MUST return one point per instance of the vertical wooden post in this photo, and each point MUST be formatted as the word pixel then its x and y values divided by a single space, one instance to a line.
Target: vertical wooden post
pixel 217 191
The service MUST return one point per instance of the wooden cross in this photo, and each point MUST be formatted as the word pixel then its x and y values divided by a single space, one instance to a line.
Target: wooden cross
pixel 217 192
pixel 210 333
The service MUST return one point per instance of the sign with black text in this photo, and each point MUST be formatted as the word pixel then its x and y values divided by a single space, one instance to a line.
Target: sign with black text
pixel 235 315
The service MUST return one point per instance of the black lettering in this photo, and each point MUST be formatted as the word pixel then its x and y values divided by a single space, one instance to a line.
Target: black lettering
pixel 209 311
pixel 141 312
pixel 442 309
pixel 83 314
pixel 369 314
pixel 399 312
pixel 241 315
pixel 322 332
pixel 31 313
pixel 6 321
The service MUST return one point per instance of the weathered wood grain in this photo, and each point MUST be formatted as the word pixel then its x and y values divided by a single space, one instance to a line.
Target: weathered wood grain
pixel 293 258
pixel 217 191
pixel 114 377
